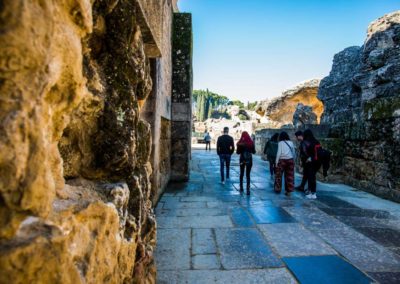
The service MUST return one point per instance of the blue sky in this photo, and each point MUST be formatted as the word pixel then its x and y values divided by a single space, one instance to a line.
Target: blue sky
pixel 254 49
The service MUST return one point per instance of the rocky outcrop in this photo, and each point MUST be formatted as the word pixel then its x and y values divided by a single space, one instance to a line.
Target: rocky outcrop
pixel 74 154
pixel 304 115
pixel 362 103
pixel 279 111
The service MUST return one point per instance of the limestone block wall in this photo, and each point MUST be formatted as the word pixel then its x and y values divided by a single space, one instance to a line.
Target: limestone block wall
pixel 75 167
pixel 181 126
pixel 362 103
pixel 156 109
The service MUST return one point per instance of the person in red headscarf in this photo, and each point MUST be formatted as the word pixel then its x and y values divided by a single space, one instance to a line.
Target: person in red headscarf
pixel 245 148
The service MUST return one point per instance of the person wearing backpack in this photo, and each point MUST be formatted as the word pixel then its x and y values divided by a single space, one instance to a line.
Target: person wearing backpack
pixel 312 163
pixel 225 149
pixel 245 148
pixel 284 164
pixel 270 149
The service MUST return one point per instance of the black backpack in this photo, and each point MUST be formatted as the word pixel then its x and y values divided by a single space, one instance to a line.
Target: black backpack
pixel 323 157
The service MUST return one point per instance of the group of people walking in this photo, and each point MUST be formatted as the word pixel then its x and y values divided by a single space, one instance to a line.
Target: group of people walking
pixel 281 155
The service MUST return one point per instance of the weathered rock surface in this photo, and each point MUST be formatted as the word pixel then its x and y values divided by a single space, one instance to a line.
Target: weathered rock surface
pixel 362 103
pixel 341 97
pixel 279 111
pixel 74 155
pixel 304 115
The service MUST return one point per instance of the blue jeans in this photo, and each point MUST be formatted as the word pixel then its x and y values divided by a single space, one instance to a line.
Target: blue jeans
pixel 224 159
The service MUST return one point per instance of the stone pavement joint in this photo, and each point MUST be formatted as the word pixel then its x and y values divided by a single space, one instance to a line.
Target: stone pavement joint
pixel 210 233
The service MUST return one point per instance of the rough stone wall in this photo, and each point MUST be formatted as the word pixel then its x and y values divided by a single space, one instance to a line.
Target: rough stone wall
pixel 158 106
pixel 74 154
pixel 181 127
pixel 304 115
pixel 341 97
pixel 279 111
pixel 362 102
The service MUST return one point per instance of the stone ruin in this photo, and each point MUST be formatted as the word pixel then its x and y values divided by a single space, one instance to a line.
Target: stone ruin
pixel 304 115
pixel 360 122
pixel 279 111
pixel 361 96
pixel 92 92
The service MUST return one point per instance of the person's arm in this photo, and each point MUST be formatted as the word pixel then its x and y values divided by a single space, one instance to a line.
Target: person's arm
pixel 307 152
pixel 239 149
pixel 218 145
pixel 278 153
pixel 232 146
pixel 265 148
pixel 253 150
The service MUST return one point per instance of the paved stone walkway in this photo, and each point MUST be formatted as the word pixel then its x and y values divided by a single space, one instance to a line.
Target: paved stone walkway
pixel 210 233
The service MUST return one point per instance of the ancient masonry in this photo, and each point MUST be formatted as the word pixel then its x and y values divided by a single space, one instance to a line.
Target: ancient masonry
pixel 361 118
pixel 361 96
pixel 91 94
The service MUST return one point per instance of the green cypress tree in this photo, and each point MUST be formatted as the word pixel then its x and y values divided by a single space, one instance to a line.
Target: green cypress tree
pixel 202 105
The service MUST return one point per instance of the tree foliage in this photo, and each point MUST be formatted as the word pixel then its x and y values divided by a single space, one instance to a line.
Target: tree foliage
pixel 236 103
pixel 206 103
pixel 211 105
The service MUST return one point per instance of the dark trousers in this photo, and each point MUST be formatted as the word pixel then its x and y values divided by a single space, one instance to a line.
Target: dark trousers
pixel 284 167
pixel 272 166
pixel 224 159
pixel 243 167
pixel 208 145
pixel 310 171
pixel 304 178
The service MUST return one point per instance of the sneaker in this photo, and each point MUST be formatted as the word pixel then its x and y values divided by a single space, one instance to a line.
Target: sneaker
pixel 311 196
pixel 223 182
pixel 288 193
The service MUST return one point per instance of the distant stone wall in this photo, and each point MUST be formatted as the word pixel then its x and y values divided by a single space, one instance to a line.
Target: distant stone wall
pixel 75 165
pixel 181 127
pixel 362 104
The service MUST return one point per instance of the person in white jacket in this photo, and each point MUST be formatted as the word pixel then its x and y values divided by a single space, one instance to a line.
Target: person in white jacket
pixel 285 164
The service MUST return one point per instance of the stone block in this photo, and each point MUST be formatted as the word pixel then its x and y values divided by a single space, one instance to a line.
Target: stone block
pixel 208 261
pixel 173 249
pixel 203 241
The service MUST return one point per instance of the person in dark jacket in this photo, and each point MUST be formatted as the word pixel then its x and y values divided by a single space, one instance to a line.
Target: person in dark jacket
pixel 225 149
pixel 245 148
pixel 312 164
pixel 303 157
pixel 270 149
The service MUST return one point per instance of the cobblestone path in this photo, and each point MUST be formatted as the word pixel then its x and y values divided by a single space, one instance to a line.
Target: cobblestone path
pixel 210 233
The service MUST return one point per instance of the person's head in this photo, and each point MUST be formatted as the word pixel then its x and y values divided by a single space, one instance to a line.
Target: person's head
pixel 226 130
pixel 308 135
pixel 299 135
pixel 275 137
pixel 284 136
pixel 246 139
